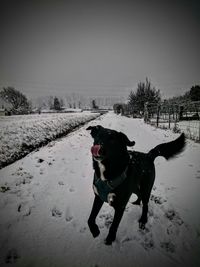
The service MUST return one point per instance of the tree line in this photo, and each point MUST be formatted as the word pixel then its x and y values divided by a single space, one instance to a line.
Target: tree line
pixel 18 103
pixel 146 93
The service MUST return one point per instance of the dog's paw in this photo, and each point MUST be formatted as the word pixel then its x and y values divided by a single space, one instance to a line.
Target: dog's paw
pixel 142 226
pixel 108 242
pixel 94 229
pixel 109 239
pixel 142 222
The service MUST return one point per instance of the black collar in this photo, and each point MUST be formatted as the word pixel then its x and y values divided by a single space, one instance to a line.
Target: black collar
pixel 118 180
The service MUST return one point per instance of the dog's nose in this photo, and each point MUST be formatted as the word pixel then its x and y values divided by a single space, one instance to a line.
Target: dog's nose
pixel 95 150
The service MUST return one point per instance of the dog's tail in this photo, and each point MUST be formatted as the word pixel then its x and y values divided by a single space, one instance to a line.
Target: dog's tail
pixel 168 150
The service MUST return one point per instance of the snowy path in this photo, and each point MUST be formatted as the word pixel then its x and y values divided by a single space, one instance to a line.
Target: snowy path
pixel 48 197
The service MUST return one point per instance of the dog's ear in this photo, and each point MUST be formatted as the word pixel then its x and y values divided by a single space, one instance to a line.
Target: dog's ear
pixel 94 130
pixel 125 140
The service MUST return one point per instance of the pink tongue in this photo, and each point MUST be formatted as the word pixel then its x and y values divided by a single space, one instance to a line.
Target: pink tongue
pixel 95 150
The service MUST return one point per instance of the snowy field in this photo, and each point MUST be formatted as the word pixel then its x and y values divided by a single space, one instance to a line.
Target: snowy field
pixel 46 198
pixel 21 134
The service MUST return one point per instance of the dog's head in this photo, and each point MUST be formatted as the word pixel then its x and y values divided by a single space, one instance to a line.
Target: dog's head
pixel 108 143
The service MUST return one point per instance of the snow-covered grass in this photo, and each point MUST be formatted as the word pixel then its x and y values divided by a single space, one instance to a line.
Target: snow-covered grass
pixel 46 198
pixel 21 134
pixel 190 128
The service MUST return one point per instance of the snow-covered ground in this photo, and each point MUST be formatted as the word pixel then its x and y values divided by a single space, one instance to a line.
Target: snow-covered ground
pixel 190 128
pixel 46 198
pixel 21 134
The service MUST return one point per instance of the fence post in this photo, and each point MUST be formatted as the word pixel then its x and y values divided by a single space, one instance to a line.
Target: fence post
pixel 176 117
pixel 169 116
pixel 158 115
pixel 146 113
pixel 199 129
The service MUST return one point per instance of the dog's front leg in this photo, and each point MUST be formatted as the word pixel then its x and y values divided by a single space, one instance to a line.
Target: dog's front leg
pixel 143 219
pixel 119 211
pixel 95 210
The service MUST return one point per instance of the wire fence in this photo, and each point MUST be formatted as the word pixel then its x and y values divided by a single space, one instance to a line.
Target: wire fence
pixel 183 117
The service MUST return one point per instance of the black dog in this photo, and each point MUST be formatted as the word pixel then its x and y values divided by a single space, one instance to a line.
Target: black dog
pixel 118 173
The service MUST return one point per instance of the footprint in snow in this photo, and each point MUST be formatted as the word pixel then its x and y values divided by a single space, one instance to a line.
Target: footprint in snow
pixel 146 239
pixel 3 189
pixel 25 179
pixel 24 209
pixel 40 160
pixel 12 256
pixel 68 215
pixel 198 174
pixel 168 246
pixel 41 171
pixel 157 199
pixel 148 243
pixel 83 229
pixel 126 239
pixel 173 216
pixel 56 212
pixel 71 189
pixel 170 230
pixel 51 144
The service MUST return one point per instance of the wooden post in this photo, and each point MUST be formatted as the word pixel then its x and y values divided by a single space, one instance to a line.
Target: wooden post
pixel 158 115
pixel 169 117
pixel 199 129
pixel 146 113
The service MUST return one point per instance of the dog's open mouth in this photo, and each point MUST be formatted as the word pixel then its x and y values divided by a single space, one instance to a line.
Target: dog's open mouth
pixel 96 151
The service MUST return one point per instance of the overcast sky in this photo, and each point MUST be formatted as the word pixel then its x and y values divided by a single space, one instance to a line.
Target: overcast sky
pixel 99 48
